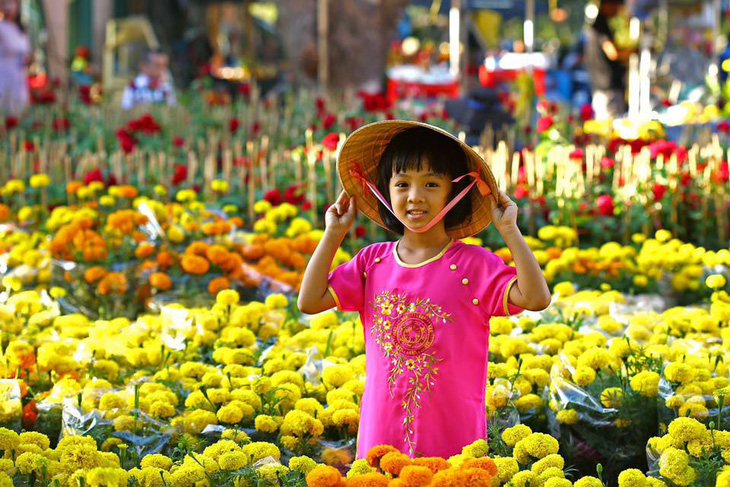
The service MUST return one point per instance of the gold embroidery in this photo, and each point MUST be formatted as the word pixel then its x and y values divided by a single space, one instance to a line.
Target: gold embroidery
pixel 405 332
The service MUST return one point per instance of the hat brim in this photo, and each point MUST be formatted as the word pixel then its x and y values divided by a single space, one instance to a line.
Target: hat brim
pixel 365 147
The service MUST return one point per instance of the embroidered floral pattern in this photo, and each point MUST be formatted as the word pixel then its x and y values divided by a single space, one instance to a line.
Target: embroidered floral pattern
pixel 404 330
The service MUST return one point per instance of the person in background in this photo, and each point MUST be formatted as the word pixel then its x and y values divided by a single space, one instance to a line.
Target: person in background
pixel 152 85
pixel 605 63
pixel 14 58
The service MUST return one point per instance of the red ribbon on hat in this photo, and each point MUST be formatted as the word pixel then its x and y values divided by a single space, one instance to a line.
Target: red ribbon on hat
pixel 365 185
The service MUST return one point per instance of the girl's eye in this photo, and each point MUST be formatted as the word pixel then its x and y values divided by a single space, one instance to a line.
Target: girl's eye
pixel 401 184
pixel 432 185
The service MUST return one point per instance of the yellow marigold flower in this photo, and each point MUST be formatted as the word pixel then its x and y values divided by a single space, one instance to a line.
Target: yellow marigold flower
pixel 156 460
pixel 268 424
pixel 588 482
pixel 324 475
pixel 523 479
pixel 663 235
pixel 687 429
pixel 715 281
pixel 567 416
pixel 359 467
pixel 303 464
pixel 557 482
pixel 646 383
pixel 611 397
pixel 514 434
pixel 276 301
pixel 34 438
pixel 336 375
pixel 477 449
pixel 227 297
pixel 259 450
pixel 219 185
pixel 107 477
pixel 550 461
pixel 631 478
pixel 640 281
pixel 584 376
pixel 535 446
pixel 564 288
pixel 723 480
pixel 674 466
pixel 9 439
pixel 233 460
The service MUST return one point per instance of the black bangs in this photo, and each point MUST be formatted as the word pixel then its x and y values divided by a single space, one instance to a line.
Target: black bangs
pixel 413 149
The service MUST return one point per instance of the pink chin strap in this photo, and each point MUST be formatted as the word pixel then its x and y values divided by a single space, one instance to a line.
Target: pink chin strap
pixel 368 187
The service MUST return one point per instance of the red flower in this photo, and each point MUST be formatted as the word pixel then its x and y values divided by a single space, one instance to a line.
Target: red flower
pixel 373 102
pixel 544 124
pixel 28 146
pixel 61 123
pixel 30 415
pixel 11 123
pixel 607 163
pixel 722 174
pixel 294 194
pixel 543 106
pixel 255 128
pixel 331 140
pixel 180 175
pixel 577 154
pixel 605 205
pixel 658 190
pixel 319 103
pixel 307 205
pixel 233 125
pixel 521 191
pixel 274 197
pixel 354 123
pixel 360 231
pixel 586 112
pixel 178 142
pixel 145 124
pixel 244 89
pixel 93 175
pixel 724 126
pixel 126 141
pixel 328 121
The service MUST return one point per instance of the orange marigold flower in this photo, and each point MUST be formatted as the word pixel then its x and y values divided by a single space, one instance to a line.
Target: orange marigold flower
pixel 4 213
pixel 127 191
pixel 197 248
pixel 232 263
pixel 324 476
pixel 144 250
pixel 93 274
pixel 504 254
pixel 216 254
pixel 218 284
pixel 113 283
pixel 416 475
pixel 434 464
pixel 393 462
pixel 73 186
pixel 165 259
pixel 374 455
pixel 483 463
pixel 138 236
pixel 236 221
pixel 161 281
pixel 193 264
pixel 372 479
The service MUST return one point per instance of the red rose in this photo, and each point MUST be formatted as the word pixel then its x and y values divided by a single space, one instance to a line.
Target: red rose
pixel 180 174
pixel 255 128
pixel 724 126
pixel 28 146
pixel 178 142
pixel 328 121
pixel 11 123
pixel 274 197
pixel 658 190
pixel 586 112
pixel 605 205
pixel 331 140
pixel 294 194
pixel 544 124
pixel 93 175
pixel 307 205
pixel 360 231
pixel 233 125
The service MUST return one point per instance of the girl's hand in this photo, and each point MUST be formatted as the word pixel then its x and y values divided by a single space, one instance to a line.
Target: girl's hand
pixel 340 216
pixel 504 211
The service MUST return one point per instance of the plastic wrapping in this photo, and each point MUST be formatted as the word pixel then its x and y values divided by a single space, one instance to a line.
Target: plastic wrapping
pixel 11 407
pixel 151 436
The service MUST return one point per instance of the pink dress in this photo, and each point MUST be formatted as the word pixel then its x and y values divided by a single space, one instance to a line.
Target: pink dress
pixel 426 341
pixel 14 47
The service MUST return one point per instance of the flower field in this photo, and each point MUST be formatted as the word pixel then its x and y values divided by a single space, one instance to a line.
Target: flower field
pixel 150 335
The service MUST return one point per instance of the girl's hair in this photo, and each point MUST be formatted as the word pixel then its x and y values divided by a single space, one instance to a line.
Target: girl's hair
pixel 408 150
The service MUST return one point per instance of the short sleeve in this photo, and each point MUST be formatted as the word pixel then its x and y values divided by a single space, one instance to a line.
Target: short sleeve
pixel 498 280
pixel 347 283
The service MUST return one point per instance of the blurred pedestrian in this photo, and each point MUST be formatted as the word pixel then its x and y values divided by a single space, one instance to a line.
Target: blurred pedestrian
pixel 604 62
pixel 152 85
pixel 14 57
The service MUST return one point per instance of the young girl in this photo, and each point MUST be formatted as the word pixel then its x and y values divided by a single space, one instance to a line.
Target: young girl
pixel 426 299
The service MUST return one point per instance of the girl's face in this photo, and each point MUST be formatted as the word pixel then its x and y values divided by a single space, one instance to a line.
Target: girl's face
pixel 9 9
pixel 418 196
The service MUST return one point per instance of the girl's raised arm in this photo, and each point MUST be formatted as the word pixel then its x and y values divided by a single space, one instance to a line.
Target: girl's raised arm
pixel 314 296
